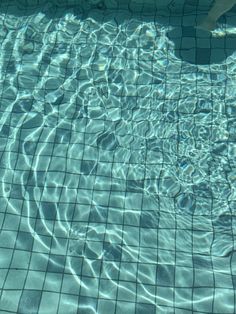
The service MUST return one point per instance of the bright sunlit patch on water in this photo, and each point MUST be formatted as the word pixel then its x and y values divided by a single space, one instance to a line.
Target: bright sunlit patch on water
pixel 222 32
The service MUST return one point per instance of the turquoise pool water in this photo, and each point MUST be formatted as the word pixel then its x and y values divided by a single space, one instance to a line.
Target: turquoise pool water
pixel 117 160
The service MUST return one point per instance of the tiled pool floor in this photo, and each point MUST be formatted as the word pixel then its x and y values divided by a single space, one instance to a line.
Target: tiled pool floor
pixel 117 162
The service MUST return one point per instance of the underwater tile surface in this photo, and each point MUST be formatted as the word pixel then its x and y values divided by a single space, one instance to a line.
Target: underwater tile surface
pixel 117 159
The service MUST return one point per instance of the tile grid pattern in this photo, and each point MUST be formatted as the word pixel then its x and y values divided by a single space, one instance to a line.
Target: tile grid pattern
pixel 91 217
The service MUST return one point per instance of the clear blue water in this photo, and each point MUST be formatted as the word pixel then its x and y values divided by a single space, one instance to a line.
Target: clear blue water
pixel 117 161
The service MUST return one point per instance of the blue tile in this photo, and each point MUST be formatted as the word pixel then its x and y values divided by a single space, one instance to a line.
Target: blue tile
pixel 23 106
pixel 165 275
pixel 34 122
pixel 24 241
pixel 31 192
pixel 107 141
pixel 62 135
pixel 5 130
pixel 31 178
pixel 88 167
pixel 29 147
pixel 149 219
pixel 186 202
pixel 230 42
pixel 11 67
pixel 87 305
pixel 29 302
pixel 220 149
pixel 98 214
pixel 135 185
pixel 155 144
pixel 143 308
pixel 49 210
pixel 46 59
pixel 223 222
pixel 16 191
pixel 89 253
pixel 76 264
pixel 112 252
pixel 203 190
pixel 202 262
pixel 56 263
pixel 203 56
pixel 188 31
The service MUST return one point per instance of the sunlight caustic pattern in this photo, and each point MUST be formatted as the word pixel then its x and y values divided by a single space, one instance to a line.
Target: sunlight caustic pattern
pixel 117 163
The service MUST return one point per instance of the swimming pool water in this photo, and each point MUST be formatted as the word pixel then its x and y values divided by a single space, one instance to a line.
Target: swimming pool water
pixel 117 160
